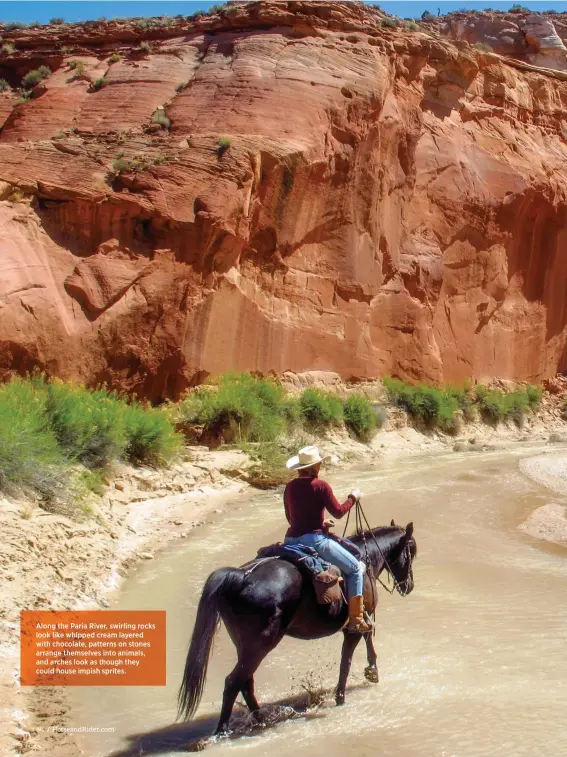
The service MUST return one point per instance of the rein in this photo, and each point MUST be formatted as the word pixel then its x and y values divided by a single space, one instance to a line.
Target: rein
pixel 361 519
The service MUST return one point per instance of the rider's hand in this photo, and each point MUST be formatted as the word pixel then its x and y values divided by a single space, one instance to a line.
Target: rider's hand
pixel 328 523
pixel 355 494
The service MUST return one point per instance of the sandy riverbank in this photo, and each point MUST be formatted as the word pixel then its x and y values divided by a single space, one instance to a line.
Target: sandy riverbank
pixel 52 562
pixel 550 521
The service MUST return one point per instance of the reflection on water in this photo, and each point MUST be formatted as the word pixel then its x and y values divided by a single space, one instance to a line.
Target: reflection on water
pixel 472 664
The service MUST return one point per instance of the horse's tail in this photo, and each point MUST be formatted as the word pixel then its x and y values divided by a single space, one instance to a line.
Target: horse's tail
pixel 219 584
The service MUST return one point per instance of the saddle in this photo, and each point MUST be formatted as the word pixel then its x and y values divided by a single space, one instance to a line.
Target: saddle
pixel 326 578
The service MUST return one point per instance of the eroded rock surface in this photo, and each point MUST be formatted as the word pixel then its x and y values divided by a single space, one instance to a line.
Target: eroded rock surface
pixel 289 187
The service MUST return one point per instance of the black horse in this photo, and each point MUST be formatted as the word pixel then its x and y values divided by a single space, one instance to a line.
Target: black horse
pixel 268 599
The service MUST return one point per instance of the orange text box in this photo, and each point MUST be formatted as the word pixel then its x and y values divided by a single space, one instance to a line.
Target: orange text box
pixel 92 648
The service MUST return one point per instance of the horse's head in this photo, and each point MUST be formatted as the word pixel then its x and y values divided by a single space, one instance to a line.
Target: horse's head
pixel 401 560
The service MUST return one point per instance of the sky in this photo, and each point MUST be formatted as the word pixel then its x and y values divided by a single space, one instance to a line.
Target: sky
pixel 84 10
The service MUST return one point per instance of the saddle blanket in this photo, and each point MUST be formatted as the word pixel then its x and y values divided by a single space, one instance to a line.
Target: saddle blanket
pixel 326 577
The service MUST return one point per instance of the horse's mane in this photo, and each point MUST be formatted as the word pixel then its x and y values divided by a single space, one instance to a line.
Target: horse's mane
pixel 386 536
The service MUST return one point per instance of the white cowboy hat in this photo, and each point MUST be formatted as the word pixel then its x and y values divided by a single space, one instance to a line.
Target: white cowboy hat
pixel 305 458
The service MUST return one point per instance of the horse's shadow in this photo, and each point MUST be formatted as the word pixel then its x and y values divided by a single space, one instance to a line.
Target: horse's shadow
pixel 197 734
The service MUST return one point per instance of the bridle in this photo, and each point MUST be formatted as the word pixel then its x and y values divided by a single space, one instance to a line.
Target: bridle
pixel 401 586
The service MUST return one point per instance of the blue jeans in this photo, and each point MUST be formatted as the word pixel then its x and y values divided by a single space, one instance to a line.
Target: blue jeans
pixel 332 552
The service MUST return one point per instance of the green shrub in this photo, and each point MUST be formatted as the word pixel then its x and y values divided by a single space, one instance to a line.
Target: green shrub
pixel 462 395
pixel 534 395
pixel 359 416
pixel 98 84
pixel 4 85
pixel 223 143
pixel 145 46
pixel 483 46
pixel 29 454
pixel 519 9
pixel 12 26
pixel 114 58
pixel 426 404
pixel 150 436
pixel 320 408
pixel 389 23
pixel 8 48
pixel 88 425
pixel 242 408
pixel 76 65
pixel 411 26
pixel 34 77
pixel 160 117
pixel 57 21
pixel 496 405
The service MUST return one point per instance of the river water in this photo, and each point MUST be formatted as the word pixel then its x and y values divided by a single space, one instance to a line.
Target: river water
pixel 472 664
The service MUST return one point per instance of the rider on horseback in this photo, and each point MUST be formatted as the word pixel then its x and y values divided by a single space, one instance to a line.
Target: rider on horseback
pixel 305 500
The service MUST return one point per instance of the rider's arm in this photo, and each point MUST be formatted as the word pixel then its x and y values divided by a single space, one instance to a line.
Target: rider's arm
pixel 330 501
pixel 285 498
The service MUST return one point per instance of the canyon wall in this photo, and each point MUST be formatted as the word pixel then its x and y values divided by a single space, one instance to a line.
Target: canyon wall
pixel 280 186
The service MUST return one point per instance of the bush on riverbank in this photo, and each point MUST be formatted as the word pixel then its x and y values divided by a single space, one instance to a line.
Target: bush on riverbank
pixel 428 405
pixel 241 408
pixel 47 427
pixel 438 407
pixel 360 417
pixel 496 405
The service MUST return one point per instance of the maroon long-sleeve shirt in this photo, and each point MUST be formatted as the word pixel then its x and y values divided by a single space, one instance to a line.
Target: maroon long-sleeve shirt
pixel 305 502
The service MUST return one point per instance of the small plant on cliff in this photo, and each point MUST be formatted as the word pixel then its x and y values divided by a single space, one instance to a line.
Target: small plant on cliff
pixel 34 77
pixel 57 21
pixel 360 417
pixel 114 58
pixel 411 26
pixel 160 117
pixel 76 65
pixel 145 46
pixel 4 85
pixel 14 25
pixel 389 23
pixel 320 408
pixel 98 84
pixel 181 87
pixel 120 165
pixel 8 48
pixel 516 8
pixel 223 143
pixel 217 8
pixel 483 46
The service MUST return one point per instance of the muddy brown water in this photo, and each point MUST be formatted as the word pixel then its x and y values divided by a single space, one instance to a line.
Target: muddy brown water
pixel 472 663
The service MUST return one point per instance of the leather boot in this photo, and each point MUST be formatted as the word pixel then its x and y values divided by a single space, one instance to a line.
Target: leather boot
pixel 356 621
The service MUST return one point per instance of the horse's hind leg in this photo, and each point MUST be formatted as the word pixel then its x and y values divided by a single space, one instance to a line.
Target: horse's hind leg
pixel 249 695
pixel 242 677
pixel 350 643
pixel 371 672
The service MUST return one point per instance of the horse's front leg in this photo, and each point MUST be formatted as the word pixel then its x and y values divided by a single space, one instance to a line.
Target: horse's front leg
pixel 371 672
pixel 350 642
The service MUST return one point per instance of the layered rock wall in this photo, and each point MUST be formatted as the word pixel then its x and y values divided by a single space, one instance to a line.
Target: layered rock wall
pixel 325 193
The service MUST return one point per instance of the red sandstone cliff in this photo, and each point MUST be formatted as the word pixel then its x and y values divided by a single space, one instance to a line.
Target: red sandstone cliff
pixel 386 201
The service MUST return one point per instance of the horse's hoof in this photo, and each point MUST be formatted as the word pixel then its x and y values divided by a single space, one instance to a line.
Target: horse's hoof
pixel 199 745
pixel 371 674
pixel 339 699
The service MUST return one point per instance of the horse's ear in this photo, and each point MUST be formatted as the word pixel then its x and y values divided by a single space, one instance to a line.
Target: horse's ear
pixel 392 522
pixel 409 530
